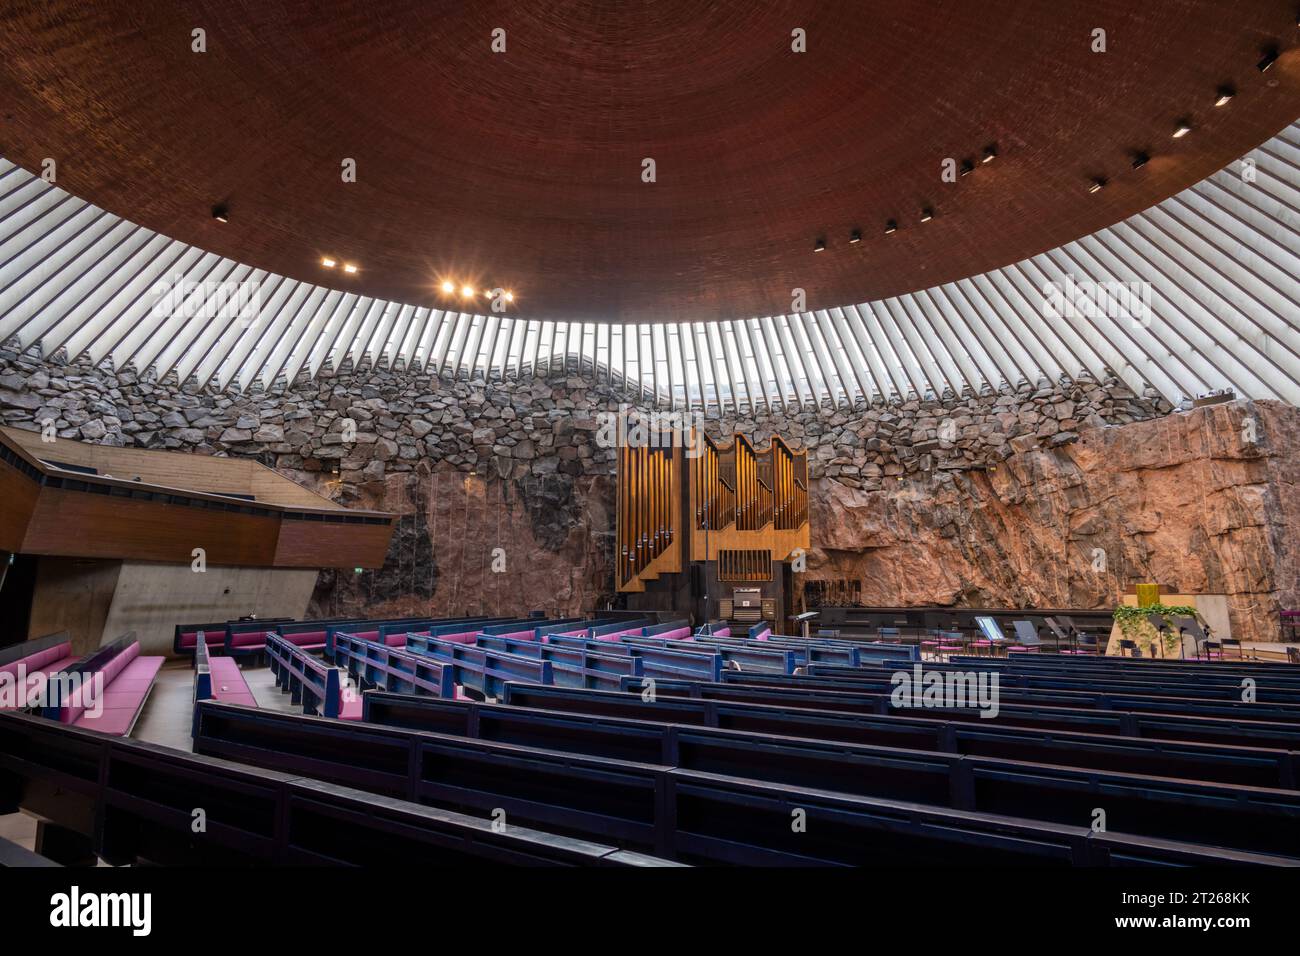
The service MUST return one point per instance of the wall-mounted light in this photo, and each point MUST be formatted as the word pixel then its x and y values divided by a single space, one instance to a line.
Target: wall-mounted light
pixel 891 227
pixel 1182 128
pixel 467 291
pixel 967 167
pixel 349 267
pixel 1140 160
pixel 927 214
pixel 328 263
pixel 220 213
pixel 448 287
pixel 1225 94
pixel 819 245
pixel 990 153
pixel 855 236
pixel 1269 58
pixel 1098 184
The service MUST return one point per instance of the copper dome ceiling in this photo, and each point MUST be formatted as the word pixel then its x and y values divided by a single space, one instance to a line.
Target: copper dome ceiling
pixel 524 168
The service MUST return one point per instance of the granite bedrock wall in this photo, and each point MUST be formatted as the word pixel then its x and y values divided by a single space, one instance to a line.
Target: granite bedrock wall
pixel 1058 495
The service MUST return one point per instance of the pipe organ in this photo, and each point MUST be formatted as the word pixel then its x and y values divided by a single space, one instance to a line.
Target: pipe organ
pixel 724 514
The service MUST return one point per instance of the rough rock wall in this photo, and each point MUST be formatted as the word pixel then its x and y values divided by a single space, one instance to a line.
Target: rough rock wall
pixel 993 499
pixel 1201 501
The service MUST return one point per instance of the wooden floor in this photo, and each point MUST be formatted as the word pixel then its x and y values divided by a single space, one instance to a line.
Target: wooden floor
pixel 165 720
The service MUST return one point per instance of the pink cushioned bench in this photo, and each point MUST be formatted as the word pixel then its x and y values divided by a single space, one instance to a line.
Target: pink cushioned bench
pixel 228 684
pixel 122 678
pixel 43 656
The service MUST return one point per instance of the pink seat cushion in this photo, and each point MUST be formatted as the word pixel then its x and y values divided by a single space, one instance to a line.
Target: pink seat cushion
pixel 350 707
pixel 307 639
pixel 115 722
pixel 249 639
pixel 469 637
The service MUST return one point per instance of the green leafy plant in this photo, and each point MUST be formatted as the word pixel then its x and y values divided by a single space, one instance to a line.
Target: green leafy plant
pixel 1133 623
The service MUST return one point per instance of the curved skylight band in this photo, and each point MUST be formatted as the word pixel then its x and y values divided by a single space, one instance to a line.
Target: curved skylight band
pixel 1218 261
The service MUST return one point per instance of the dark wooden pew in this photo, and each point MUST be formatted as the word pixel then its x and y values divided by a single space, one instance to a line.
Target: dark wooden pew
pixel 1237 710
pixel 655 806
pixel 1236 763
pixel 130 802
pixel 1011 677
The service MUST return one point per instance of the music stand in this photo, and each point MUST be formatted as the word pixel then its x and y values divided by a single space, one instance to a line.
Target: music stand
pixel 1061 636
pixel 1161 624
pixel 989 627
pixel 1193 627
pixel 1027 634
pixel 804 620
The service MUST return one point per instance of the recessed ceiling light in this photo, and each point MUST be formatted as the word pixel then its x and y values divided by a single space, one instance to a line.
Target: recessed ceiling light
pixel 1226 93
pixel 1270 57
pixel 990 153
pixel 349 267
pixel 220 213
pixel 1140 160
pixel 448 287
pixel 1182 128
pixel 1098 185
pixel 927 214
pixel 467 291
pixel 328 263
pixel 891 227
pixel 855 236
pixel 819 245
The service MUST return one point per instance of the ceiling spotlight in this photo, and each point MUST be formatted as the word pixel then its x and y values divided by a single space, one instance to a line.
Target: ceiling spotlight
pixel 819 245
pixel 891 227
pixel 1140 160
pixel 467 291
pixel 927 214
pixel 448 287
pixel 990 153
pixel 328 263
pixel 855 236
pixel 1270 57
pixel 1182 129
pixel 349 267
pixel 510 296
pixel 967 167
pixel 1225 93
pixel 1098 185
pixel 220 214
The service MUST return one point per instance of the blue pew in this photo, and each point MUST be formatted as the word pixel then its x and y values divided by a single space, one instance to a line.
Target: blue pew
pixel 393 668
pixel 310 682
pixel 482 670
